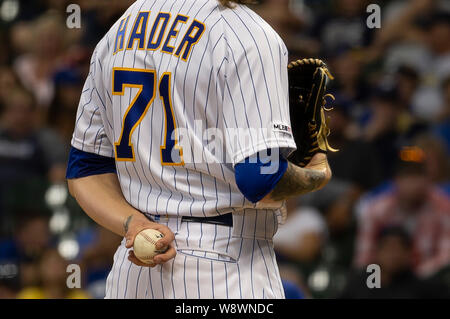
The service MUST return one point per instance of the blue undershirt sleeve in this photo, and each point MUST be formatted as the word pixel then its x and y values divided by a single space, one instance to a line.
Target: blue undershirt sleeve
pixel 258 175
pixel 82 164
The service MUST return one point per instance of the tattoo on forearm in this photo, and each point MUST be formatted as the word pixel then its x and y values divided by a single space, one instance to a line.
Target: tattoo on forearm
pixel 127 223
pixel 296 182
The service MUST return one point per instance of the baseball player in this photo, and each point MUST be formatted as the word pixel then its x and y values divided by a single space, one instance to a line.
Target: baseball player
pixel 184 126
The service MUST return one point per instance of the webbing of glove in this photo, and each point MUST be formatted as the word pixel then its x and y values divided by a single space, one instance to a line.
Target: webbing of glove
pixel 315 110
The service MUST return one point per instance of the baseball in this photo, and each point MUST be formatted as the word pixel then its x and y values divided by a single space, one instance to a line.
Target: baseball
pixel 144 246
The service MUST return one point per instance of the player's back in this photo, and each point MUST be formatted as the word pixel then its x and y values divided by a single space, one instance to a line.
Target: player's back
pixel 160 75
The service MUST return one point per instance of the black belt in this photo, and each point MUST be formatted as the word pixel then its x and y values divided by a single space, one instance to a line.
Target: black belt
pixel 224 220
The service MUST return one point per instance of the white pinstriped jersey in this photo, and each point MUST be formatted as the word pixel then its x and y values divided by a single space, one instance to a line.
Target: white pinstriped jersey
pixel 234 77
pixel 178 92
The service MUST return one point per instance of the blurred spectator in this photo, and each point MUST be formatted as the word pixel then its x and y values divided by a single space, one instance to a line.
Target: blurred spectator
pixel 416 36
pixel 301 237
pixel 293 282
pixel 279 15
pixel 381 130
pixel 292 291
pixel 36 68
pixel 30 240
pixel 5 53
pixel 442 127
pixel 325 275
pixel 9 287
pixel 21 155
pixel 346 65
pixel 400 41
pixel 344 26
pixel 26 153
pixel 356 162
pixel 336 201
pixel 8 83
pixel 394 254
pixel 416 204
pixel 63 109
pixel 437 163
pixel 96 261
pixel 29 158
pixel 20 253
pixel 298 245
pixel 428 99
pixel 53 276
pixel 407 80
pixel 28 10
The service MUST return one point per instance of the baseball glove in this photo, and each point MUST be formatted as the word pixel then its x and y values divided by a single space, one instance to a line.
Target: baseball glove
pixel 307 99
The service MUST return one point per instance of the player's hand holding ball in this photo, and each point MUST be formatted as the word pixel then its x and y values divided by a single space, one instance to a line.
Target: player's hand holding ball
pixel 144 247
pixel 151 241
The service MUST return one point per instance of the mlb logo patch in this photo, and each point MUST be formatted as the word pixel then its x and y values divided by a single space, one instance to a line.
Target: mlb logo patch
pixel 279 127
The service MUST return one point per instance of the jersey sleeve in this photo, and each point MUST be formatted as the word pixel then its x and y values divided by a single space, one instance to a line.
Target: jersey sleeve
pixel 90 132
pixel 255 94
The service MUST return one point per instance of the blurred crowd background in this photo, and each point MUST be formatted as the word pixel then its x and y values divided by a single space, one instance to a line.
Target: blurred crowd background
pixel 387 204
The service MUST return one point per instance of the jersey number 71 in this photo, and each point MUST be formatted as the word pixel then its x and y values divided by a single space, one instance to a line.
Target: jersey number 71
pixel 145 81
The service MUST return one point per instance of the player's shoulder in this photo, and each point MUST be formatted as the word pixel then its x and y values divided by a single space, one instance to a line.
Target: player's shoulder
pixel 245 27
pixel 241 18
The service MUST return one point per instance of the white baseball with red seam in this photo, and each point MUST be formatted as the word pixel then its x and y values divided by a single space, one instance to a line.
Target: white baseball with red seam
pixel 144 246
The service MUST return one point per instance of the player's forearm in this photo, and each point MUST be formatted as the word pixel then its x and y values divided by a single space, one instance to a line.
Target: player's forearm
pixel 297 180
pixel 101 198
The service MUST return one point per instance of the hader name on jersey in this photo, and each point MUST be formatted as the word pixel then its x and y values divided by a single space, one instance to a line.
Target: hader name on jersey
pixel 159 36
